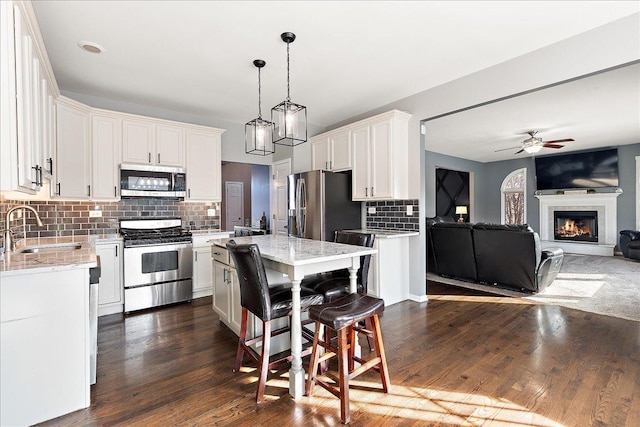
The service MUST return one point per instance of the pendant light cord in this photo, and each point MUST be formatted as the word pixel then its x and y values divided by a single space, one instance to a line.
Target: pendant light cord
pixel 288 86
pixel 259 96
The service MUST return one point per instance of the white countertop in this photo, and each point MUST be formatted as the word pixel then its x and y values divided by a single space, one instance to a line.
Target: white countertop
pixel 295 251
pixel 14 263
pixel 387 234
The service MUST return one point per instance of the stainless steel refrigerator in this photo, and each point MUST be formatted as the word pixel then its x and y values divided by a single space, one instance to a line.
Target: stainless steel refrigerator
pixel 319 204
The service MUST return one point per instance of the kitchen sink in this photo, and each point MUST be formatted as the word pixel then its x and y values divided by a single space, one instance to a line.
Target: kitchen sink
pixel 61 247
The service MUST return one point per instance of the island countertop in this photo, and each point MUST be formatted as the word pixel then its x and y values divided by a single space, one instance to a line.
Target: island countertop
pixel 16 263
pixel 296 251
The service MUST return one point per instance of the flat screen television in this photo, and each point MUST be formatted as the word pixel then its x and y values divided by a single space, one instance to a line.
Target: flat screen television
pixel 592 169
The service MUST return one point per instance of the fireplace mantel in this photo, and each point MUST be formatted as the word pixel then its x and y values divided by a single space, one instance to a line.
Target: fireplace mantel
pixel 605 204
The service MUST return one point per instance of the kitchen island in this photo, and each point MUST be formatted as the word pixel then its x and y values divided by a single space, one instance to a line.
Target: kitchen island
pixel 389 270
pixel 296 258
pixel 44 330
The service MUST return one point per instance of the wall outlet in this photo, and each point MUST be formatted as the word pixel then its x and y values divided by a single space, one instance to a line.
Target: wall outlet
pixel 95 214
pixel 371 210
pixel 211 212
pixel 409 209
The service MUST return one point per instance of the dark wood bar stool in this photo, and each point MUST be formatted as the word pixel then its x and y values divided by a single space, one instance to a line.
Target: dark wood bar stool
pixel 265 302
pixel 342 316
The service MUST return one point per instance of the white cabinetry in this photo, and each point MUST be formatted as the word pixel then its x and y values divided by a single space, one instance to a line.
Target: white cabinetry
pixel 150 142
pixel 380 163
pixel 226 299
pixel 202 266
pixel 204 180
pixel 27 91
pixel 106 142
pixel 73 160
pixel 44 345
pixel 331 151
pixel 389 269
pixel 110 288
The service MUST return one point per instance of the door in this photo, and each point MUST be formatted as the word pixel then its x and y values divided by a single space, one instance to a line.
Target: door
pixel 360 176
pixel 169 146
pixel 203 166
pixel 137 142
pixel 234 197
pixel 281 170
pixel 110 285
pixel 106 142
pixel 340 146
pixel 220 274
pixel 380 176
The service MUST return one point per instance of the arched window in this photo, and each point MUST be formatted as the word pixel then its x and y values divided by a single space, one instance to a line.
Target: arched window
pixel 514 202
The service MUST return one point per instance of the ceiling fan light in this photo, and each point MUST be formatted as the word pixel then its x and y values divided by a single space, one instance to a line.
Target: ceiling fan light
pixel 532 149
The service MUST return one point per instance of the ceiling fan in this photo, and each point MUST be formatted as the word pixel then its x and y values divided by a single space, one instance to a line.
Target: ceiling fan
pixel 533 144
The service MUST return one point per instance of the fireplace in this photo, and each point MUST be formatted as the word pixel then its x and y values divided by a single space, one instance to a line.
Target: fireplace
pixel 577 226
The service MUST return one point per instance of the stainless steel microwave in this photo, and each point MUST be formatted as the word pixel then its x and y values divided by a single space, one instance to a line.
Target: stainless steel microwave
pixel 152 181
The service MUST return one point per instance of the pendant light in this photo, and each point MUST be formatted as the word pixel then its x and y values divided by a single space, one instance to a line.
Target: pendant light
pixel 258 132
pixel 289 119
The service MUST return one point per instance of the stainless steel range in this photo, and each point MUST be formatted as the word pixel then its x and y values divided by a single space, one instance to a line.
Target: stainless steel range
pixel 158 262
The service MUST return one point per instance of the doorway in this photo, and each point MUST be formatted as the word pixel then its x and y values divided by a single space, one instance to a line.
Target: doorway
pixel 234 195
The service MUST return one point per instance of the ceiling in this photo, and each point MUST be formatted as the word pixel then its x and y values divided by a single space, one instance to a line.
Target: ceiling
pixel 601 110
pixel 195 57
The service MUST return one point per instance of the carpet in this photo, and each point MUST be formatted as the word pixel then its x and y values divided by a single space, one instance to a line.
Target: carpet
pixel 596 284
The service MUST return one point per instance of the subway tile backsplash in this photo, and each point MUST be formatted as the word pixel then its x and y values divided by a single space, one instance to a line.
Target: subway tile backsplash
pixel 68 218
pixel 392 215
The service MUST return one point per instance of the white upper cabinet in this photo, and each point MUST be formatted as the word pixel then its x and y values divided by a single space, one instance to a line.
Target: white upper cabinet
pixel 331 151
pixel 106 140
pixel 319 152
pixel 380 163
pixel 73 159
pixel 169 145
pixel 27 92
pixel 375 149
pixel 146 142
pixel 204 181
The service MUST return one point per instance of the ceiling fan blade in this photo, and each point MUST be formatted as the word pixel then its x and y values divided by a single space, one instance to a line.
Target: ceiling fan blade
pixel 518 152
pixel 505 149
pixel 547 145
pixel 559 140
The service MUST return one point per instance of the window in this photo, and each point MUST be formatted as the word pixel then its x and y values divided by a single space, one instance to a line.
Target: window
pixel 513 191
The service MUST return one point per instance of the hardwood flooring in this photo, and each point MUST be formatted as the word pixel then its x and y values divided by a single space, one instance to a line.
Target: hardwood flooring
pixel 462 358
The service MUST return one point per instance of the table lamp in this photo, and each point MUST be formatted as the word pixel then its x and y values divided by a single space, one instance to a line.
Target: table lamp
pixel 461 210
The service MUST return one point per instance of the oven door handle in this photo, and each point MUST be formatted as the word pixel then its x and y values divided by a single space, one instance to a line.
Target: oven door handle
pixel 165 246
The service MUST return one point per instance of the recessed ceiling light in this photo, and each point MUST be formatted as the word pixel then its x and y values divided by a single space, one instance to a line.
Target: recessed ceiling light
pixel 91 47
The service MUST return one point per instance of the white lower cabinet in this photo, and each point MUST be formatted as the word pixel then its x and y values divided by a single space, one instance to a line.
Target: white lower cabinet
pixel 44 345
pixel 110 288
pixel 226 301
pixel 389 270
pixel 202 272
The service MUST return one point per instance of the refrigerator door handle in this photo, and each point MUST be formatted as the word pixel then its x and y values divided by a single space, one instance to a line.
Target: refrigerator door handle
pixel 301 207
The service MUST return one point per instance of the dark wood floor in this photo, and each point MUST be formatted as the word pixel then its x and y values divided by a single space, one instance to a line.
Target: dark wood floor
pixel 462 358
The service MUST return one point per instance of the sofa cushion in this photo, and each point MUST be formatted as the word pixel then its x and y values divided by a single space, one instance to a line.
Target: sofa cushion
pixel 453 250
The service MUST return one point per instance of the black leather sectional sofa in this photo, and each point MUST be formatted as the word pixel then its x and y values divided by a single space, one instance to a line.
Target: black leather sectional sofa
pixel 507 256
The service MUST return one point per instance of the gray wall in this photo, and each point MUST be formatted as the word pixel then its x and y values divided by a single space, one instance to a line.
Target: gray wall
pixel 627 200
pixel 496 172
pixel 489 177
pixel 436 160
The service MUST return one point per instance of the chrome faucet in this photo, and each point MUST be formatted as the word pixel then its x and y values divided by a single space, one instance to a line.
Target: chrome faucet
pixel 9 244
